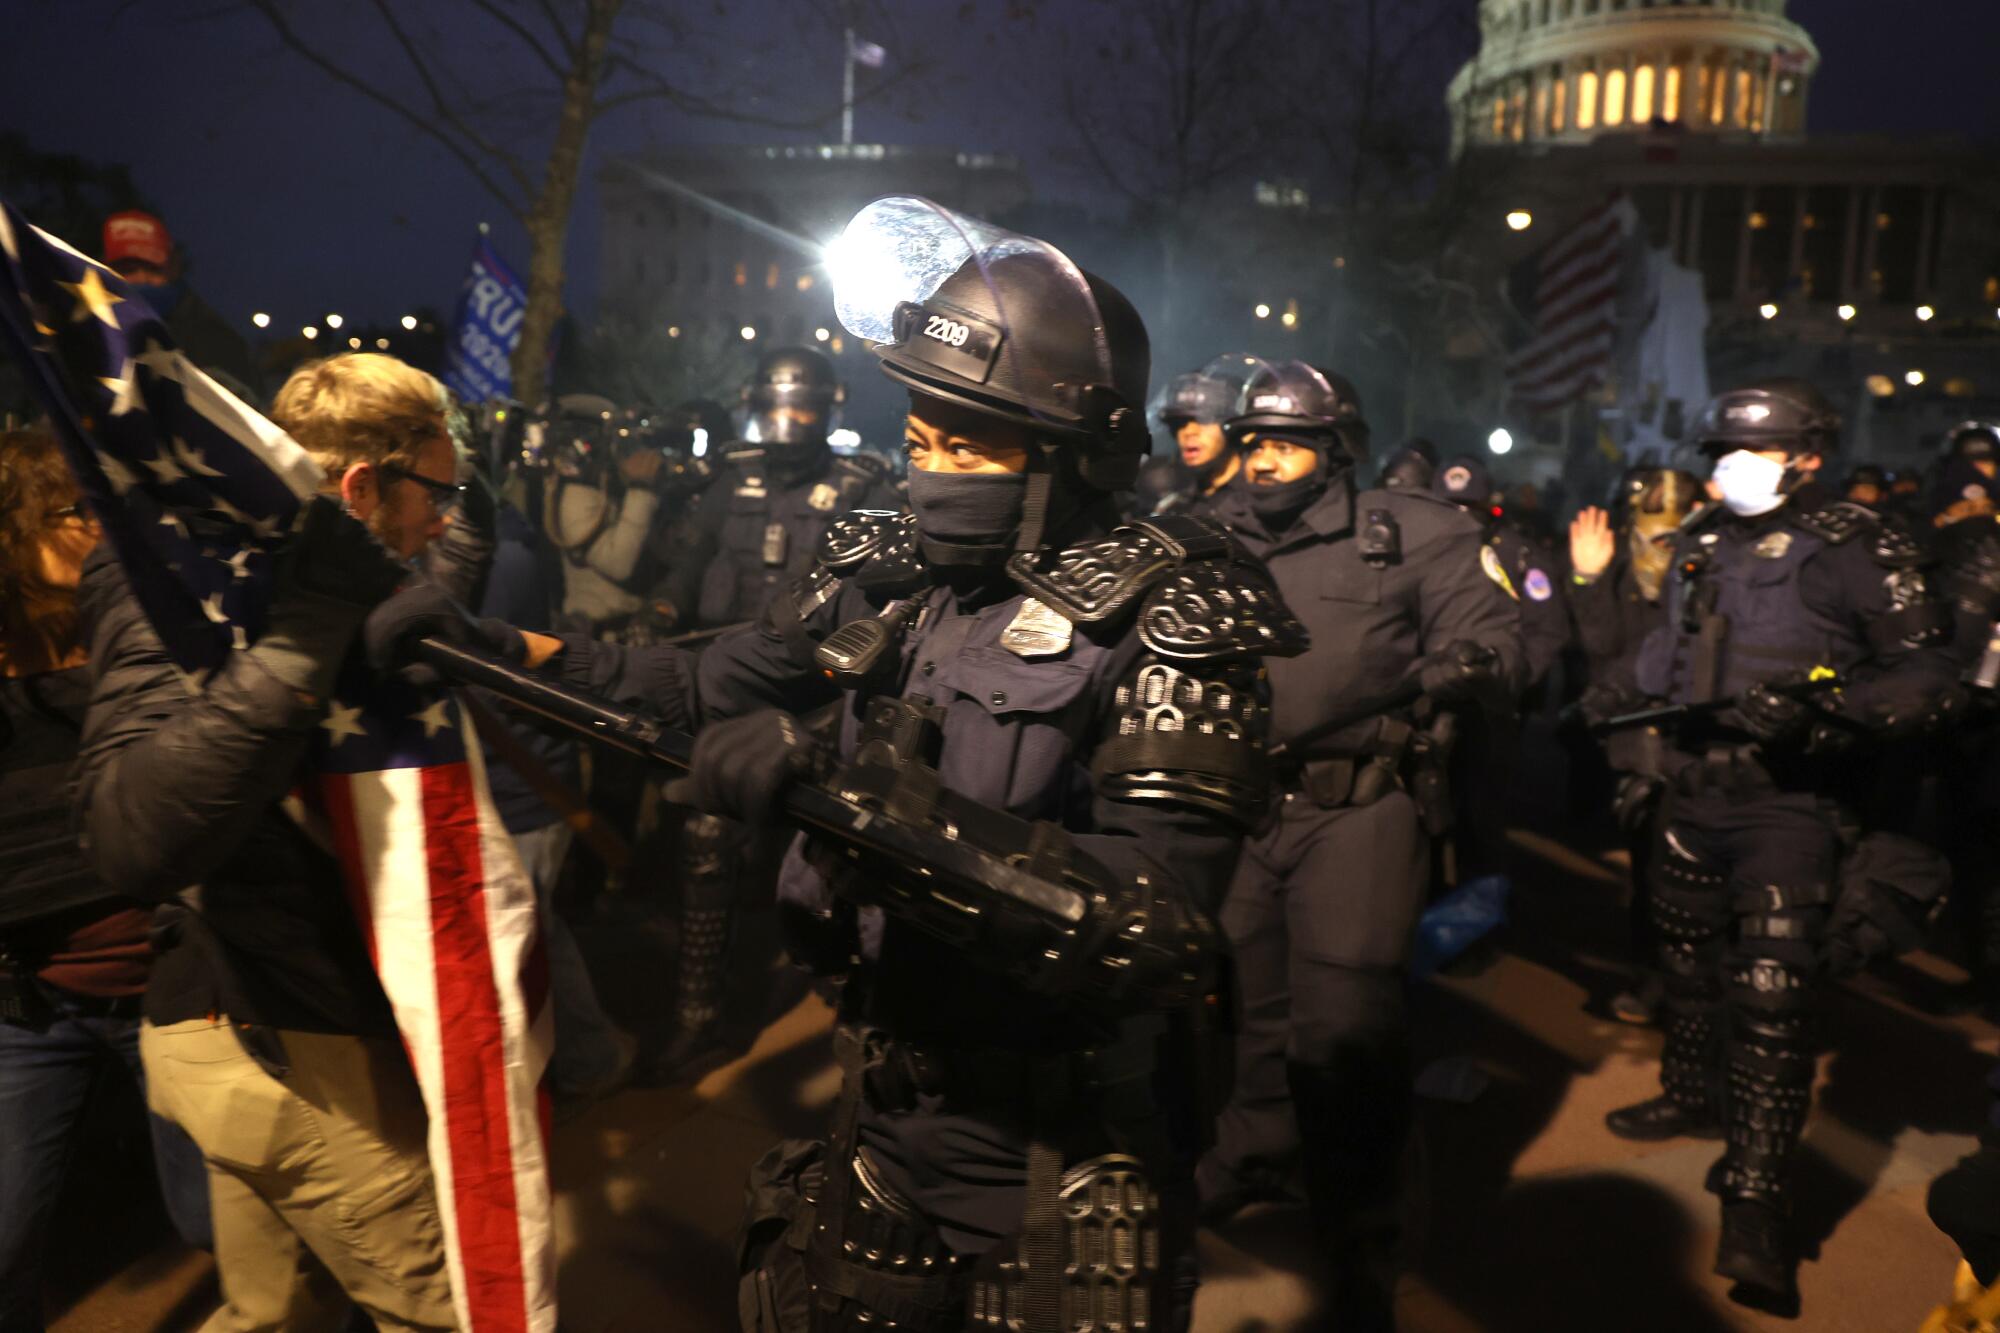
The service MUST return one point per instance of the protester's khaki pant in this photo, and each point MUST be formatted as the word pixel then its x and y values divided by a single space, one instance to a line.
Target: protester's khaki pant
pixel 320 1183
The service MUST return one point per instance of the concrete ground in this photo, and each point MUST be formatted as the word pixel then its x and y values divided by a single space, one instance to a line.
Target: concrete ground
pixel 1533 1218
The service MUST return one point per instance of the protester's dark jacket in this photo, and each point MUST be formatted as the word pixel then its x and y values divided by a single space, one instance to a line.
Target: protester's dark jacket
pixel 1612 619
pixel 181 793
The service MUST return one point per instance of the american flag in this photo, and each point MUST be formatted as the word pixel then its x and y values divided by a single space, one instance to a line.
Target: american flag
pixel 1573 295
pixel 198 492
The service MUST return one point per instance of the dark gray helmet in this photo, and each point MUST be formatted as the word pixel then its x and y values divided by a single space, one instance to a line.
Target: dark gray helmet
pixel 1464 481
pixel 999 323
pixel 1780 413
pixel 789 399
pixel 1293 398
pixel 1207 396
pixel 1977 440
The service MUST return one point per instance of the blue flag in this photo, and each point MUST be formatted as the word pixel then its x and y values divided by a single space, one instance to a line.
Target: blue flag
pixel 485 330
pixel 195 490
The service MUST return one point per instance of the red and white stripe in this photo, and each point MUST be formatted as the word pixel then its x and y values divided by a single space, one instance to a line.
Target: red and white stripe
pixel 449 915
pixel 1576 310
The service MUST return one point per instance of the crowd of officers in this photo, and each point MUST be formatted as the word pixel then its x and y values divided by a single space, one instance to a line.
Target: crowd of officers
pixel 1259 699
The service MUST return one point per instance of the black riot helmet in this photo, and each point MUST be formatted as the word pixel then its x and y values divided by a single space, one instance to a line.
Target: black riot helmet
pixel 1004 325
pixel 788 400
pixel 1976 440
pixel 1293 398
pixel 1207 396
pixel 1411 467
pixel 1779 413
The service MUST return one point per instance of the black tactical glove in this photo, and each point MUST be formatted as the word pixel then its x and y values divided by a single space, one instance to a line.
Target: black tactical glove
pixel 331 572
pixel 1773 718
pixel 1964 1203
pixel 742 767
pixel 425 610
pixel 1463 672
pixel 1604 700
pixel 334 555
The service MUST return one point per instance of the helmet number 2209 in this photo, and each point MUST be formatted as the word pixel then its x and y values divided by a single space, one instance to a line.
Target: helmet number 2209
pixel 948 331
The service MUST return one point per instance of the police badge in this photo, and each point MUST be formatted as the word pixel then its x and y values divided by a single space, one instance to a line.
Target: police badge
pixel 823 498
pixel 1036 631
pixel 1772 545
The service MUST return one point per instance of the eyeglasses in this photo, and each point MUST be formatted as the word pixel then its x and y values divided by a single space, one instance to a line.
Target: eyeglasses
pixel 442 493
pixel 66 514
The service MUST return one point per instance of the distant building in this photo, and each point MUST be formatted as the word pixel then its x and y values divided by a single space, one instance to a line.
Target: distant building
pixel 1869 265
pixel 716 275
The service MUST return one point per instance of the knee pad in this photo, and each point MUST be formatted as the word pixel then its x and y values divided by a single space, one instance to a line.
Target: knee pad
pixel 1122 1265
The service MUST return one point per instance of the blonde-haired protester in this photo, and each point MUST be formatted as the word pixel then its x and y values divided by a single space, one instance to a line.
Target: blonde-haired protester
pixel 268 1036
pixel 73 955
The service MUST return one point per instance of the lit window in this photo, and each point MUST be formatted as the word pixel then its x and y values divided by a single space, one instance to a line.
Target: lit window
pixel 1586 100
pixel 1881 222
pixel 1991 291
pixel 1558 103
pixel 771 278
pixel 1670 94
pixel 805 282
pixel 1881 386
pixel 1809 221
pixel 1718 94
pixel 1742 101
pixel 1499 116
pixel 742 274
pixel 1541 110
pixel 1614 97
pixel 1959 387
pixel 1758 222
pixel 1642 95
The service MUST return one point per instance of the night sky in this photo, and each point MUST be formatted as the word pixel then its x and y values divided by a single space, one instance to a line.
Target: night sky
pixel 294 196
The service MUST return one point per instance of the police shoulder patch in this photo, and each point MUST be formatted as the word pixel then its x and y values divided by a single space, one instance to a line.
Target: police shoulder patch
pixel 1489 560
pixel 1841 521
pixel 1536 584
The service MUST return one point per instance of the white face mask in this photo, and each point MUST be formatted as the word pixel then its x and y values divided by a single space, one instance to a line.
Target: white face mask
pixel 1749 483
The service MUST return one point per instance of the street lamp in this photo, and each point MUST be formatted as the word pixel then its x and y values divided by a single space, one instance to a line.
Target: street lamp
pixel 309 333
pixel 1263 310
pixel 1924 312
pixel 1520 220
pixel 261 320
pixel 1768 310
pixel 333 321
pixel 410 322
pixel 748 332
pixel 673 330
pixel 821 335
pixel 1913 378
pixel 381 344
pixel 1846 312
pixel 354 344
pixel 1501 440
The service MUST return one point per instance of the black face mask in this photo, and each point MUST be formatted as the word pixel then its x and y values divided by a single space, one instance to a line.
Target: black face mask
pixel 967 518
pixel 1280 505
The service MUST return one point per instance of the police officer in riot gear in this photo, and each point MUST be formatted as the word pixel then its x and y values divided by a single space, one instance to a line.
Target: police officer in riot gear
pixel 776 489
pixel 1771 586
pixel 751 531
pixel 1525 568
pixel 1325 901
pixel 1003 1156
pixel 1193 410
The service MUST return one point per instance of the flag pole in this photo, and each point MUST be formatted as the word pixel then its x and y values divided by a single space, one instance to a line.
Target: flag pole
pixel 847 88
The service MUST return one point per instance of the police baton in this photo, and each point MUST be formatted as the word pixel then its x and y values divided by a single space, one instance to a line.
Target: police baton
pixel 823 812
pixel 1408 692
pixel 1820 681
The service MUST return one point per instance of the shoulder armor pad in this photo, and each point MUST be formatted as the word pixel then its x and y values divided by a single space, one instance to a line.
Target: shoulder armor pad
pixel 1096 580
pixel 1839 522
pixel 1219 608
pixel 1897 546
pixel 862 535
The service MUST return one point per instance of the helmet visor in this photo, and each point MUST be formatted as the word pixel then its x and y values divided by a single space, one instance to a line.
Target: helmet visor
pixel 972 313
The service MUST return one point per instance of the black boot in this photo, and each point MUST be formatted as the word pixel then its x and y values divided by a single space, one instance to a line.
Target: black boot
pixel 1354 1118
pixel 1756 1253
pixel 1659 1118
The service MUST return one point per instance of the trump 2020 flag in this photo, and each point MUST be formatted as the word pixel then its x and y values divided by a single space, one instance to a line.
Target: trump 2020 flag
pixel 198 493
pixel 485 329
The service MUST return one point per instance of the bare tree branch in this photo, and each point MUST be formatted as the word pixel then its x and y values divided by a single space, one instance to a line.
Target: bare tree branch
pixel 528 38
pixel 291 38
pixel 442 109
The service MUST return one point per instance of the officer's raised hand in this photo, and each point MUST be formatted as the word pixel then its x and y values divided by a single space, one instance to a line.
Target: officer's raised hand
pixel 1461 672
pixel 741 768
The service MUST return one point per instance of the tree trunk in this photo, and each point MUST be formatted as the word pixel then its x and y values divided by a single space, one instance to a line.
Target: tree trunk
pixel 547 221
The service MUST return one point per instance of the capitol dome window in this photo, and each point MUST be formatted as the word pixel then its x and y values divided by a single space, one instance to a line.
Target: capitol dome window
pixel 1642 94
pixel 1586 100
pixel 1670 92
pixel 1558 101
pixel 1614 97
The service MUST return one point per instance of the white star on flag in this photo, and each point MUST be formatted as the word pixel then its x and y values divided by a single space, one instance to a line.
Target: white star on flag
pixel 125 385
pixel 166 469
pixel 192 459
pixel 122 478
pixel 434 719
pixel 169 519
pixel 211 606
pixel 240 563
pixel 343 721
